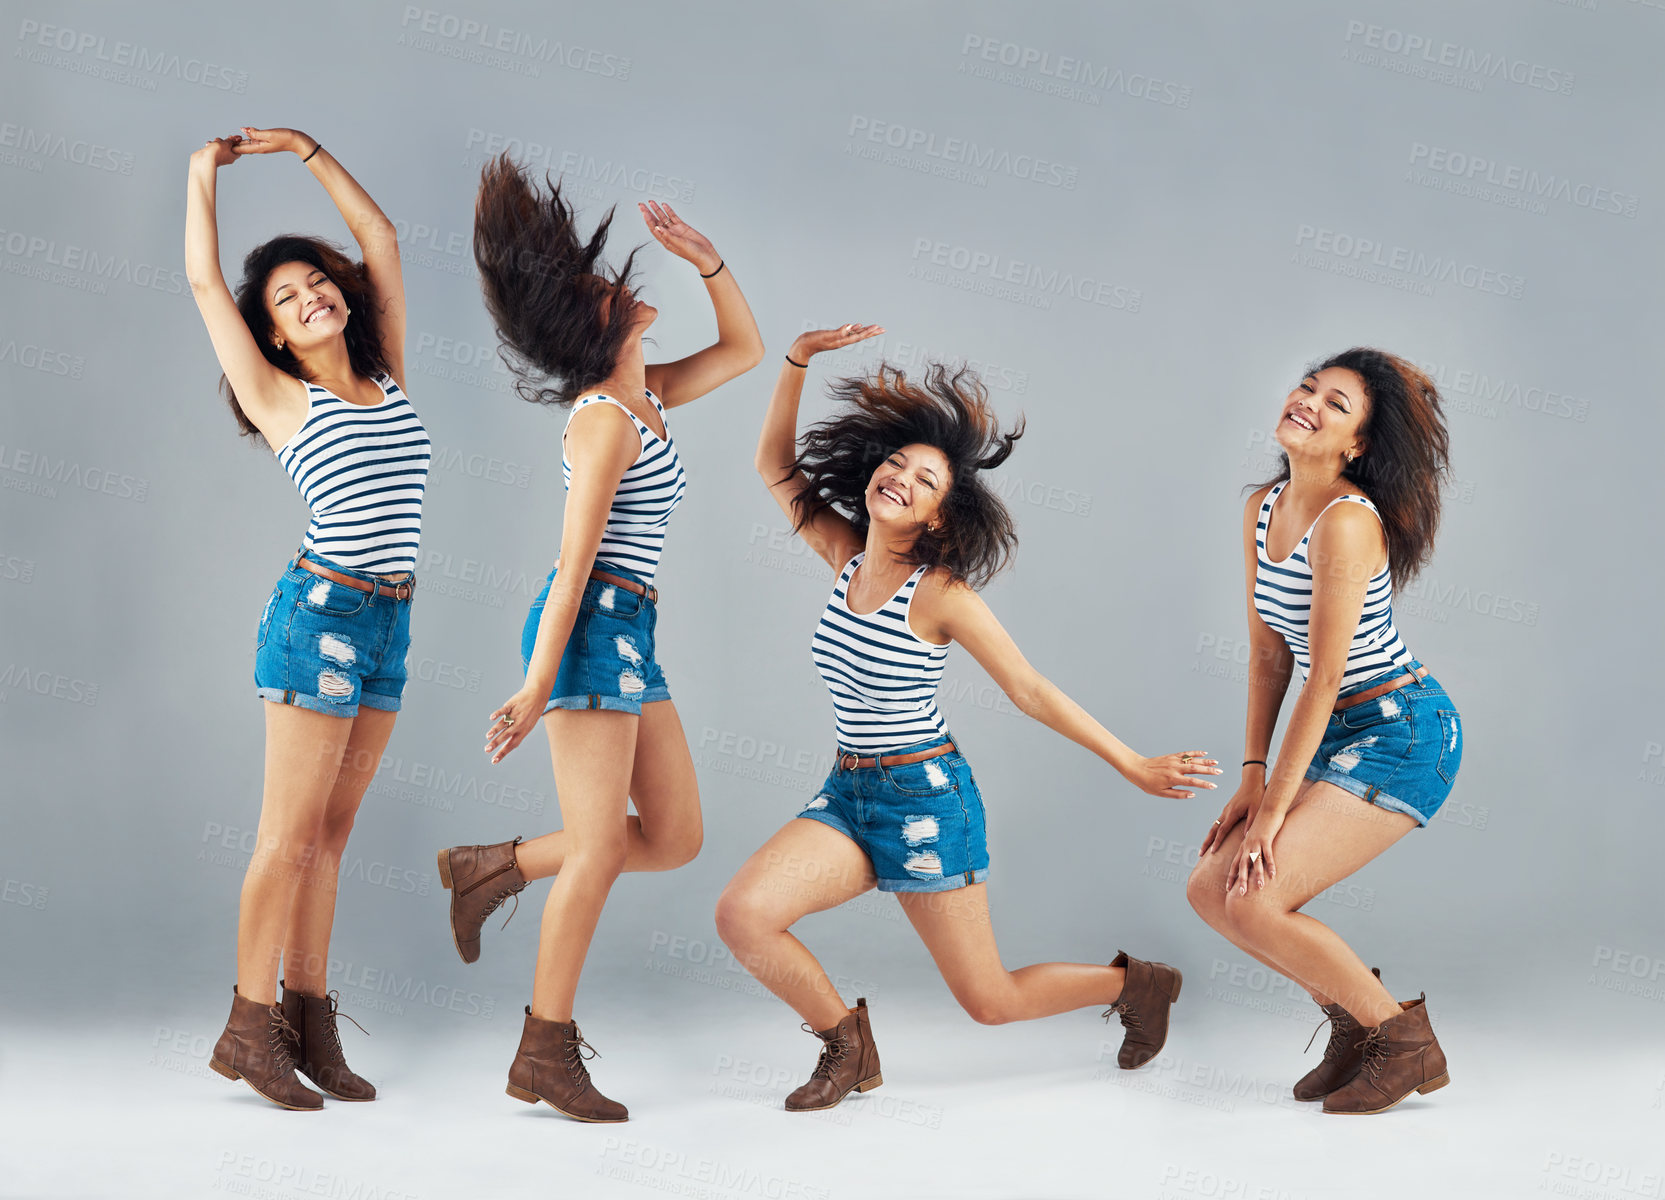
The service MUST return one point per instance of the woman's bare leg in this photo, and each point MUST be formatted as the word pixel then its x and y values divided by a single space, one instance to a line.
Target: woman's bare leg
pixel 807 866
pixel 668 832
pixel 306 948
pixel 954 925
pixel 303 756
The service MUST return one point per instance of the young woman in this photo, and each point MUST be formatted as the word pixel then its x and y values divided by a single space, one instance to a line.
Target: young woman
pixel 575 336
pixel 1374 743
pixel 890 494
pixel 313 348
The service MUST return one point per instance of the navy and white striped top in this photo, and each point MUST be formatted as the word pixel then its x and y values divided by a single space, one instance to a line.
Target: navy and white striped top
pixel 1283 598
pixel 647 493
pixel 362 469
pixel 883 677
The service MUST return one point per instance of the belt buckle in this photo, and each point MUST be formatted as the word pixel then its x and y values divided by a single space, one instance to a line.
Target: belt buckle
pixel 848 761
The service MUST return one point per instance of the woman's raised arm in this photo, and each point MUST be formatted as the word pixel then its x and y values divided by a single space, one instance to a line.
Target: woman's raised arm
pixel 370 227
pixel 828 533
pixel 264 392
pixel 739 346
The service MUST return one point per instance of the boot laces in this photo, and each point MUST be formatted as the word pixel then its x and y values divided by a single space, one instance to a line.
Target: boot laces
pixel 834 1050
pixel 332 1010
pixel 1125 1010
pixel 281 1040
pixel 575 1055
pixel 1376 1050
pixel 496 902
pixel 1339 1035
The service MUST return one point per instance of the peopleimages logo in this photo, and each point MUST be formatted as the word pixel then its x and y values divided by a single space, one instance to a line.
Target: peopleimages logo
pixel 1395 49
pixel 982 54
pixel 958 151
pixel 1477 170
pixel 1369 253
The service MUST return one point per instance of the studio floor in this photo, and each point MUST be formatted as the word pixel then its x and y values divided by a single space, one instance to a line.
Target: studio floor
pixel 1031 1110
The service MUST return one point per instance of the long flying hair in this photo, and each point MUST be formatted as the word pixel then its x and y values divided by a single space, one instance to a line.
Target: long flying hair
pixel 1407 455
pixel 533 263
pixel 364 342
pixel 948 409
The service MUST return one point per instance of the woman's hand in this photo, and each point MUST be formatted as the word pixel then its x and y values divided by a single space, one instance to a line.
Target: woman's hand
pixel 680 238
pixel 522 711
pixel 817 340
pixel 1253 863
pixel 274 141
pixel 1171 774
pixel 216 152
pixel 1242 804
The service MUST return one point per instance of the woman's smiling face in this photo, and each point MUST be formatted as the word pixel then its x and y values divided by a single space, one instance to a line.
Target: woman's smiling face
pixel 906 490
pixel 1322 417
pixel 306 307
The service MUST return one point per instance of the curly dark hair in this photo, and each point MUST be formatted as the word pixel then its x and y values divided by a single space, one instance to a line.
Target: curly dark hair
pixel 364 341
pixel 532 263
pixel 948 409
pixel 1407 455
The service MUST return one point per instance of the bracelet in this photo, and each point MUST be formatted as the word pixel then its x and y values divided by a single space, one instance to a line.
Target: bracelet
pixel 796 363
pixel 315 148
pixel 1251 761
pixel 720 265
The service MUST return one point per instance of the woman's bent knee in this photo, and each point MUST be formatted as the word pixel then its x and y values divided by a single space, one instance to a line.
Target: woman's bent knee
pixel 741 918
pixel 1206 892
pixel 989 1008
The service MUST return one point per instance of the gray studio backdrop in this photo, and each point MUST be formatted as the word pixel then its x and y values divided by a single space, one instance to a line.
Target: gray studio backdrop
pixel 1138 221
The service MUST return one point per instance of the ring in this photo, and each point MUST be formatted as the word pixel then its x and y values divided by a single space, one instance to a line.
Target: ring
pixel 1216 822
pixel 1185 758
pixel 508 719
pixel 1254 856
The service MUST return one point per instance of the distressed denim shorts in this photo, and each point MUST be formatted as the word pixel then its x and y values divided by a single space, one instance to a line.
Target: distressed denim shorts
pixel 608 661
pixel 921 823
pixel 1399 751
pixel 329 647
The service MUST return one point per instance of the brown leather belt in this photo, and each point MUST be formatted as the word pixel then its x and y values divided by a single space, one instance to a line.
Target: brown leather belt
pixel 850 762
pixel 629 585
pixel 399 591
pixel 1392 685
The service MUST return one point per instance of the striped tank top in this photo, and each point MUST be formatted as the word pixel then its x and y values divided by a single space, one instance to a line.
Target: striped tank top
pixel 883 677
pixel 362 469
pixel 649 491
pixel 1283 598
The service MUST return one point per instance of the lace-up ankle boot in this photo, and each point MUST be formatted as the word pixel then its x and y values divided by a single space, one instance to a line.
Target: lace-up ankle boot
pixel 479 879
pixel 549 1066
pixel 1399 1056
pixel 1341 1057
pixel 1148 992
pixel 849 1063
pixel 258 1048
pixel 317 1048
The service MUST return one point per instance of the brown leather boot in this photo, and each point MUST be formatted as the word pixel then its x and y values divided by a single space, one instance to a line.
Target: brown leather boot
pixel 549 1066
pixel 1401 1056
pixel 479 878
pixel 849 1063
pixel 1341 1057
pixel 317 1049
pixel 257 1047
pixel 1148 992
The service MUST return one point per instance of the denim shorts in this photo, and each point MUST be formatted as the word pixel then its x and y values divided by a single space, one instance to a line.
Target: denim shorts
pixel 921 823
pixel 329 647
pixel 608 661
pixel 1399 751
